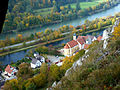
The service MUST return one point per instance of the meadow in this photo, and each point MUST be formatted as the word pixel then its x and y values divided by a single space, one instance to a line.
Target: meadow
pixel 83 5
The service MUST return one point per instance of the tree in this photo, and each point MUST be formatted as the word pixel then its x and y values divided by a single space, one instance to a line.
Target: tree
pixel 78 6
pixel 99 25
pixel 113 21
pixel 69 6
pixel 24 71
pixel 54 73
pixel 11 85
pixel 116 32
pixel 56 7
pixel 24 44
pixel 44 69
pixel 40 80
pixel 12 40
pixel 30 85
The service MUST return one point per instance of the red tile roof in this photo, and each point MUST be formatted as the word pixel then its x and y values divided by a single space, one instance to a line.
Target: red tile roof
pixel 9 69
pixel 66 46
pixel 99 38
pixel 72 43
pixel 86 46
pixel 83 37
pixel 81 41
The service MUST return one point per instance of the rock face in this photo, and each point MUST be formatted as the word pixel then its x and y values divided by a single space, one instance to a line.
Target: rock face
pixel 54 84
pixel 75 64
pixel 107 33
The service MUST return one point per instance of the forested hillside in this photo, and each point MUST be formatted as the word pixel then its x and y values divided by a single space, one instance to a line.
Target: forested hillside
pixel 25 14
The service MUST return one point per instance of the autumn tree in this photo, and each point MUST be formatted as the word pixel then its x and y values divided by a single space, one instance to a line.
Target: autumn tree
pixel 116 32
pixel 54 73
pixel 30 85
pixel 40 80
pixel 24 71
pixel 11 85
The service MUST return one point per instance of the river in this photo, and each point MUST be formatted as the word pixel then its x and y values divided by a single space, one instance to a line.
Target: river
pixel 75 22
pixel 19 55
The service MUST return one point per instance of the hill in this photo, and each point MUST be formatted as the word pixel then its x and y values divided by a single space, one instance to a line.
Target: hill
pixel 100 70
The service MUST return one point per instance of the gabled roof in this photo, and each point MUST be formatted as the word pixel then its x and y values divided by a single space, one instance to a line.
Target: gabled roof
pixel 34 61
pixel 81 41
pixel 99 38
pixel 9 69
pixel 72 43
pixel 66 46
pixel 83 37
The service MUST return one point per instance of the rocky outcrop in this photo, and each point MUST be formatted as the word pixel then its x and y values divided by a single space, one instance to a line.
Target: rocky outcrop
pixel 107 34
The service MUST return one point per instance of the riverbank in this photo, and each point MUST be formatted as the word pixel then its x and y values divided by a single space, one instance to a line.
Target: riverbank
pixel 67 19
pixel 44 43
pixel 29 47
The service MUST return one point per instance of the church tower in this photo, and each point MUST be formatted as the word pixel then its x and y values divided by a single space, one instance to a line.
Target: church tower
pixel 74 37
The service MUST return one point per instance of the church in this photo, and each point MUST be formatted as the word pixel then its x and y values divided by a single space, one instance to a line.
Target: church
pixel 82 42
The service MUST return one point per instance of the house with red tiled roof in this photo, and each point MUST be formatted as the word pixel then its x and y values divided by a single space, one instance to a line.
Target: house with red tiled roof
pixel 82 42
pixel 10 71
pixel 99 38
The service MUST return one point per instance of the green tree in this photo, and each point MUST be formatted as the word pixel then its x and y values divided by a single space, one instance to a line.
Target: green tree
pixel 78 6
pixel 54 73
pixel 40 80
pixel 99 25
pixel 24 44
pixel 30 85
pixel 44 69
pixel 11 85
pixel 69 6
pixel 24 71
pixel 56 7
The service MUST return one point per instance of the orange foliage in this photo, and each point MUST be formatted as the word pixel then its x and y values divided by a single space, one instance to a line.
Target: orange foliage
pixel 71 26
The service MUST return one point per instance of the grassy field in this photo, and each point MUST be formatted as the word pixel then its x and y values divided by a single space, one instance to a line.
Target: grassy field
pixel 84 5
pixel 43 12
pixel 46 11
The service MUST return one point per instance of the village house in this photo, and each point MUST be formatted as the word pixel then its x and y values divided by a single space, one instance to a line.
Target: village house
pixel 37 61
pixel 10 73
pixel 82 42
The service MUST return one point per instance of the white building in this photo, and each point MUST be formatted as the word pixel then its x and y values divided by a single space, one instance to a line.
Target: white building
pixel 35 63
pixel 82 42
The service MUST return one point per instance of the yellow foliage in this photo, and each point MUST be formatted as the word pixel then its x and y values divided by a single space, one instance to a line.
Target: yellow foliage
pixel 64 26
pixel 27 24
pixel 12 40
pixel 19 35
pixel 71 26
pixel 116 32
pixel 81 30
pixel 62 8
pixel 49 20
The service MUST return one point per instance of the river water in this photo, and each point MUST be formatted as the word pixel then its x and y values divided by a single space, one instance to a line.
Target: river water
pixel 19 55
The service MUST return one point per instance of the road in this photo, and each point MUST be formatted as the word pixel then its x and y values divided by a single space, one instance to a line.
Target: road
pixel 19 44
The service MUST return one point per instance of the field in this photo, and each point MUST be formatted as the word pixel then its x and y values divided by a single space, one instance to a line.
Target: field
pixel 84 5
pixel 43 12
pixel 46 11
